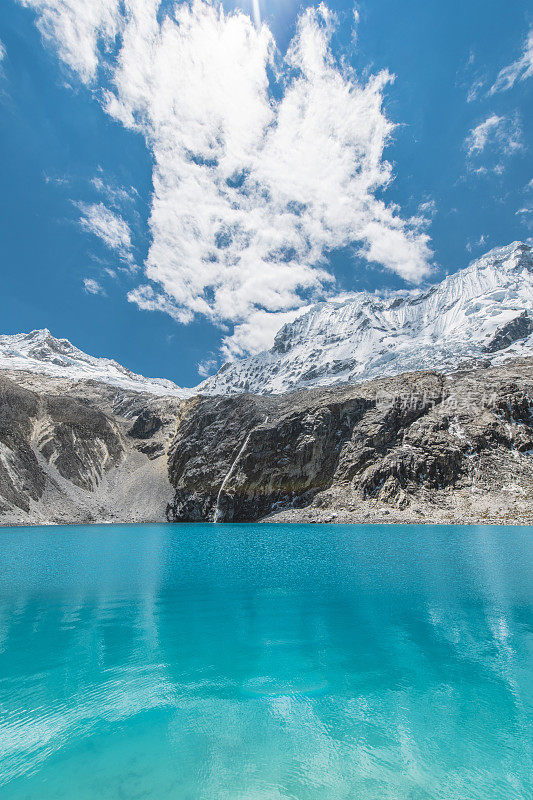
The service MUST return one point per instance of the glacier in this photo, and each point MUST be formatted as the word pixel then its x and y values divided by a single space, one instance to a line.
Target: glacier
pixel 482 314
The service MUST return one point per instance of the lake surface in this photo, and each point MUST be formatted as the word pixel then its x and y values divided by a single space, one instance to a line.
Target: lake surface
pixel 264 662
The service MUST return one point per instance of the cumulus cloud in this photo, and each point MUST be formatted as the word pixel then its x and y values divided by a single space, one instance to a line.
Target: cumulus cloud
pixel 501 135
pixel 263 163
pixel 114 231
pixel 520 69
pixel 92 287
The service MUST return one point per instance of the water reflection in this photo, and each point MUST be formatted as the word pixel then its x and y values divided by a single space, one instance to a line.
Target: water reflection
pixel 266 661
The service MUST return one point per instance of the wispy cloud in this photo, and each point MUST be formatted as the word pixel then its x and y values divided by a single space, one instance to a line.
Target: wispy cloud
pixel 2 59
pixel 256 178
pixel 92 287
pixel 520 69
pixel 526 215
pixel 476 243
pixel 108 226
pixel 479 137
pixel 428 208
pixel 472 78
pixel 150 300
pixel 117 196
pixel 502 136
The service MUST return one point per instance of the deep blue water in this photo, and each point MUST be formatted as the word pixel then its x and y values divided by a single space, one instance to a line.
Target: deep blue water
pixel 261 662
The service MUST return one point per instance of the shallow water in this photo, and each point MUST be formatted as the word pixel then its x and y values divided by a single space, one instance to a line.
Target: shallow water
pixel 260 662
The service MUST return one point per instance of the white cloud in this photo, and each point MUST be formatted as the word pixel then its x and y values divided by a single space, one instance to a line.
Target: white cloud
pixel 149 300
pixel 481 242
pixel 2 58
pixel 501 134
pixel 253 184
pixel 114 231
pixel 257 332
pixel 116 195
pixel 355 25
pixel 428 208
pixel 471 78
pixel 92 287
pixel 77 28
pixel 520 69
pixel 526 215
pixel 474 90
pixel 207 367
pixel 480 135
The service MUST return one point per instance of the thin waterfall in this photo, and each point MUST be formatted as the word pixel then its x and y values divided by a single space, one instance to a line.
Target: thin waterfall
pixel 216 513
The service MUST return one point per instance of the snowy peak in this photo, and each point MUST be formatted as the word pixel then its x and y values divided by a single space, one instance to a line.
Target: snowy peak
pixel 41 352
pixel 465 317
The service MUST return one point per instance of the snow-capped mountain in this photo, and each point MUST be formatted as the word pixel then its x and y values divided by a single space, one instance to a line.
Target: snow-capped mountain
pixel 482 312
pixel 41 352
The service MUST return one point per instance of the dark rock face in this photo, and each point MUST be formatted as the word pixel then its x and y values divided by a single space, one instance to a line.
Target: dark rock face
pixel 146 425
pixel 395 440
pixel 21 477
pixel 518 328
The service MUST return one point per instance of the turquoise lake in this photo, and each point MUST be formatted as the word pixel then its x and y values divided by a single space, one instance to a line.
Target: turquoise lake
pixel 265 662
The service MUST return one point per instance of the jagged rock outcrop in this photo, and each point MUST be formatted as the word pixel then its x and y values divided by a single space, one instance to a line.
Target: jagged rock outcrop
pixel 422 445
pixel 517 329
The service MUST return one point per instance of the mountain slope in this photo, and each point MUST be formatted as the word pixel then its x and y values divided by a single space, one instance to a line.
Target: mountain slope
pixel 82 451
pixel 483 312
pixel 41 352
pixel 423 446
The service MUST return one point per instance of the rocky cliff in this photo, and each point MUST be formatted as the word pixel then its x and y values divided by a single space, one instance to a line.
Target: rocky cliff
pixel 421 446
pixel 417 447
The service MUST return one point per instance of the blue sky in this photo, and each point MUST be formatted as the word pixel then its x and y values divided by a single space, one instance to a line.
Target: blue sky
pixel 176 182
